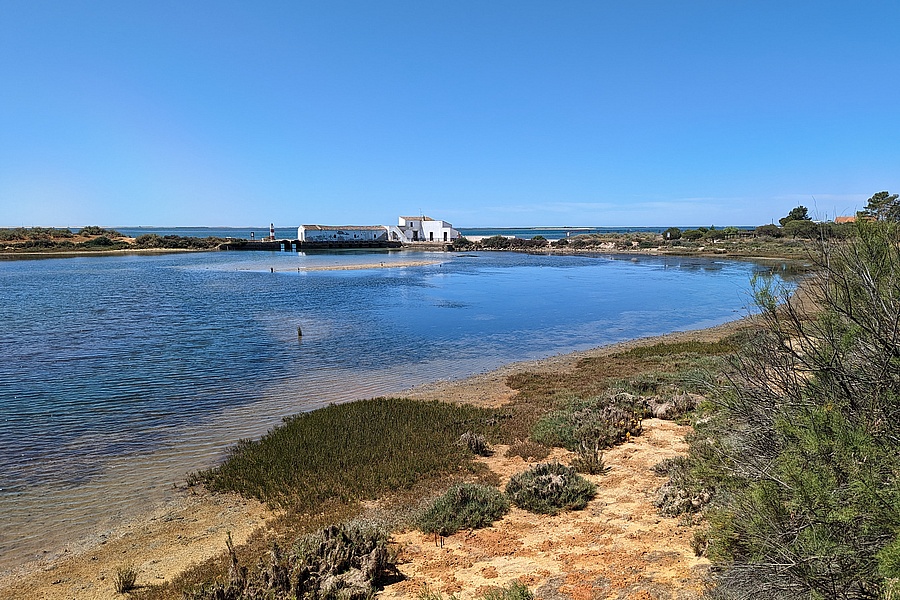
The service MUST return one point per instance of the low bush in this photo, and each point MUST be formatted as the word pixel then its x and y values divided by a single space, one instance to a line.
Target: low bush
pixel 550 488
pixel 596 422
pixel 125 579
pixel 464 506
pixel 96 230
pixel 475 443
pixel 347 561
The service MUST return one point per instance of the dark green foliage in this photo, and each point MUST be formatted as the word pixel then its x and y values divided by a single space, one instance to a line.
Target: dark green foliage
pixel 328 453
pixel 717 348
pixel 672 234
pixel 693 234
pixel 33 233
pixel 803 453
pixel 550 488
pixel 346 562
pixel 797 214
pixel 498 242
pixel 804 229
pixel 99 241
pixel 770 230
pixel 96 230
pixel 177 242
pixel 462 243
pixel 883 207
pixel 464 506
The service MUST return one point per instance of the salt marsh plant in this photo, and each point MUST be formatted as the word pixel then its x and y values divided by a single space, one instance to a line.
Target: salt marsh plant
pixel 464 506
pixel 550 488
pixel 125 579
pixel 528 450
pixel 589 426
pixel 475 442
pixel 341 562
pixel 350 452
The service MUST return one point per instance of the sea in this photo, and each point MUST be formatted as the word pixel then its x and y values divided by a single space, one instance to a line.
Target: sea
pixel 122 374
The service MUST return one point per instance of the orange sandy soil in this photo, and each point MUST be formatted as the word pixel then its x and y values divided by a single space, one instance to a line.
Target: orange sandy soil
pixel 617 547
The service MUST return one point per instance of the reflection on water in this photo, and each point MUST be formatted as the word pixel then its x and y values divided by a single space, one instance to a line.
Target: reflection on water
pixel 125 372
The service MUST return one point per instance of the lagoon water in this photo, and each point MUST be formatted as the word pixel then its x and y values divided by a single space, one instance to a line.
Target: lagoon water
pixel 120 374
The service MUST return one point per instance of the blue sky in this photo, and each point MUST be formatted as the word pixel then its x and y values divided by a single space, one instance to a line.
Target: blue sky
pixel 482 113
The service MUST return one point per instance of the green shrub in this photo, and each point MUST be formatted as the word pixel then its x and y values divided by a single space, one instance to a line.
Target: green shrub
pixel 806 435
pixel 550 488
pixel 462 243
pixel 598 422
pixel 99 241
pixel 96 230
pixel 464 506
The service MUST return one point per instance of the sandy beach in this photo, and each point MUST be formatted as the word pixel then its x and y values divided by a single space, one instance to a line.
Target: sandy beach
pixel 619 543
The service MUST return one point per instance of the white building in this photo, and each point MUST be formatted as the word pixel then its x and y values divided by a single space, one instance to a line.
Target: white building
pixel 423 229
pixel 342 233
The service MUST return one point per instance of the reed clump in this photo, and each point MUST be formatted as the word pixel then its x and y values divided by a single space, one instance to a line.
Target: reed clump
pixel 350 452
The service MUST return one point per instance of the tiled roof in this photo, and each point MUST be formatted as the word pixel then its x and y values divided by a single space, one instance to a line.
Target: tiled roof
pixel 417 218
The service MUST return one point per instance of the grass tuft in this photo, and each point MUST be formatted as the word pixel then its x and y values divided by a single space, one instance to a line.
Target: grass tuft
pixel 327 454
pixel 514 591
pixel 125 579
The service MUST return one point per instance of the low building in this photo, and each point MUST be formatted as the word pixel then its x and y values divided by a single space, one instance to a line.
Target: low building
pixel 342 233
pixel 422 229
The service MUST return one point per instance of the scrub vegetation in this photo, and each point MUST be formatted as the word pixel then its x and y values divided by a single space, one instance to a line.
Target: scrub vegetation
pixel 550 488
pixel 795 464
pixel 464 506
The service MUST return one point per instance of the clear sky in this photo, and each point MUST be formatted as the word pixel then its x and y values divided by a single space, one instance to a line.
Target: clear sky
pixel 482 113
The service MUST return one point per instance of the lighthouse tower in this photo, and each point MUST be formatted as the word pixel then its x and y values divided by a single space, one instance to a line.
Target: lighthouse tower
pixel 272 231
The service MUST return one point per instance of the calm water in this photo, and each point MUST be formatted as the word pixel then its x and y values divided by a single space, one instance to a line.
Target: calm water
pixel 120 374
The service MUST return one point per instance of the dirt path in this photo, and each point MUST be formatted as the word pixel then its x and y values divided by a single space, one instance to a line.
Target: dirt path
pixel 617 547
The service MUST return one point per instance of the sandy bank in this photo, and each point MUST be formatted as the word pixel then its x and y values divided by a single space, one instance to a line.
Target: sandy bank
pixel 363 266
pixel 619 540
